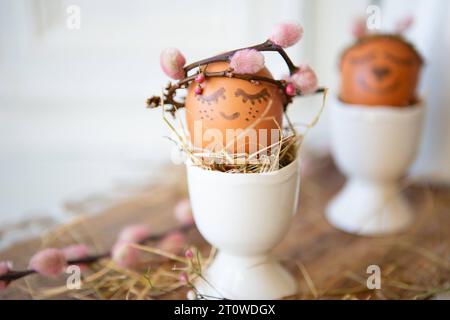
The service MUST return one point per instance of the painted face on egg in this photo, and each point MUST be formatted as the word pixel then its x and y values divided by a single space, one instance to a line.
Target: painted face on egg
pixel 234 114
pixel 380 70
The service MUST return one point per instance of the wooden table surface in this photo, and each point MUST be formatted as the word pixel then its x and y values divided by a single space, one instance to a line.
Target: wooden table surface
pixel 329 263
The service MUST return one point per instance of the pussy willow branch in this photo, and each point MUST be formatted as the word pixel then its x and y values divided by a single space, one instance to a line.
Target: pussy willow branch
pixel 168 97
pixel 265 46
pixel 17 274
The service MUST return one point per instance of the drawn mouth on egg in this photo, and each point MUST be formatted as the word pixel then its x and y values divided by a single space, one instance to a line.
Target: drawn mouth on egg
pixel 231 116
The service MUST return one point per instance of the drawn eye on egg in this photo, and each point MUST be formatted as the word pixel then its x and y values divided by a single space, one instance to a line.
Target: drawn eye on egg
pixel 212 99
pixel 261 96
pixel 366 58
pixel 399 60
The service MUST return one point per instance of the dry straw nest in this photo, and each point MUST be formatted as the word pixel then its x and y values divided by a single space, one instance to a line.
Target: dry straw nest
pixel 268 159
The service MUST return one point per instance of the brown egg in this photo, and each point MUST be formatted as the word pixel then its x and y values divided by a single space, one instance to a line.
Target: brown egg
pixel 234 114
pixel 380 70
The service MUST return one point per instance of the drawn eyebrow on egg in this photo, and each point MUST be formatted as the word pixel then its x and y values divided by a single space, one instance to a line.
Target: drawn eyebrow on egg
pixel 260 96
pixel 220 93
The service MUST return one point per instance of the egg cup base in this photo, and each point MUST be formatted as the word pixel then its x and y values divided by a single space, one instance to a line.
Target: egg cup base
pixel 369 209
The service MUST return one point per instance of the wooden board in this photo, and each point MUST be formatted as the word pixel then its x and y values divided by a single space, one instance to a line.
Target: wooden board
pixel 328 263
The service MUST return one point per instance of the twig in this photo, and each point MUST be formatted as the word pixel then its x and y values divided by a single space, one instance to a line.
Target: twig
pixel 168 97
pixel 265 46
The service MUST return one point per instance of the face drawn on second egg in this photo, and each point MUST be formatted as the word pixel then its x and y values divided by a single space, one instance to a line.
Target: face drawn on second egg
pixel 380 70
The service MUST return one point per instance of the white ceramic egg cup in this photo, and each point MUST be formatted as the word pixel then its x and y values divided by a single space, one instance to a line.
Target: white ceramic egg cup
pixel 244 216
pixel 373 147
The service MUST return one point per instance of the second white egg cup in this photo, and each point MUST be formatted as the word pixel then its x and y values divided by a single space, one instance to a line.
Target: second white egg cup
pixel 244 216
pixel 373 147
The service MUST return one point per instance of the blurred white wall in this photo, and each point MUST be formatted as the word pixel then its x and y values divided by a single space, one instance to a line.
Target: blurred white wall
pixel 431 34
